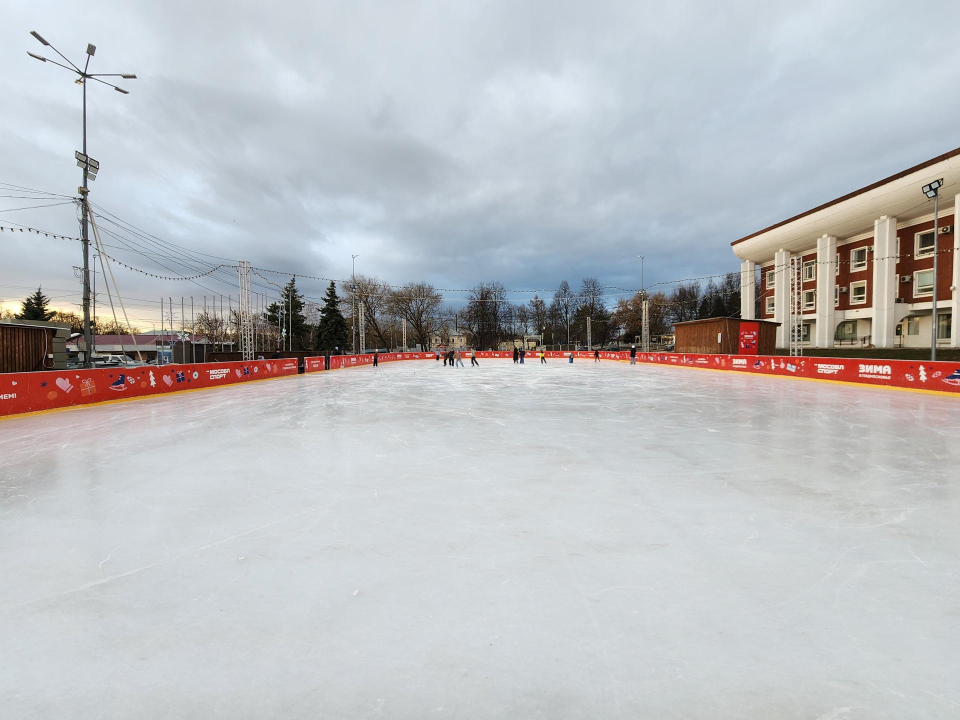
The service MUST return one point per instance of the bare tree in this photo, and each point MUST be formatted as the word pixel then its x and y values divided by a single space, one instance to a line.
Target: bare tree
pixel 486 314
pixel 419 304
pixel 373 296
pixel 538 314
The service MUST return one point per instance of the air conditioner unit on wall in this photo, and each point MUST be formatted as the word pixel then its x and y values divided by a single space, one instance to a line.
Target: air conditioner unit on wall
pixel 946 229
pixel 901 300
pixel 905 278
pixel 843 290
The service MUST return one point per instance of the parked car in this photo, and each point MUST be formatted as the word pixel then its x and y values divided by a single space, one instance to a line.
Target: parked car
pixel 115 361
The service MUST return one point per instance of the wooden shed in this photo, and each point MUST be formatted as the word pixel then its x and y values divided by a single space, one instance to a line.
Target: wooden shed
pixel 27 345
pixel 726 336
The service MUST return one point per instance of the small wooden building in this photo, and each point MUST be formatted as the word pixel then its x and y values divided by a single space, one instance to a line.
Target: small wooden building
pixel 726 336
pixel 30 345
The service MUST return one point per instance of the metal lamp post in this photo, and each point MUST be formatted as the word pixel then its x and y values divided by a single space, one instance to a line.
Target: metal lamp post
pixel 932 190
pixel 88 165
pixel 353 306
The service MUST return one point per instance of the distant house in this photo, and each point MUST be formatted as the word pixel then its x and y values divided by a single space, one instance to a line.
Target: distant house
pixel 148 345
pixel 454 341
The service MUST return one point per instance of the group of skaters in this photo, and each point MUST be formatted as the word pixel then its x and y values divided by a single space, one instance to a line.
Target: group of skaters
pixel 453 358
pixel 520 354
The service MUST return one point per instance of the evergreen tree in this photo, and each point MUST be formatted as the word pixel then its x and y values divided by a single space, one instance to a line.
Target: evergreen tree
pixel 36 307
pixel 291 301
pixel 332 331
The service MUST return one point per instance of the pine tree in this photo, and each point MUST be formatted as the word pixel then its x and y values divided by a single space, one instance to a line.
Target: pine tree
pixel 36 307
pixel 332 332
pixel 291 301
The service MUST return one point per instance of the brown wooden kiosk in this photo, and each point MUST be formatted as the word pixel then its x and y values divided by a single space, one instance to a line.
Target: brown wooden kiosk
pixel 721 336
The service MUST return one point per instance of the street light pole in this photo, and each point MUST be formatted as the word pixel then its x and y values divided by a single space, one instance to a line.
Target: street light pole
pixel 89 168
pixel 932 190
pixel 353 306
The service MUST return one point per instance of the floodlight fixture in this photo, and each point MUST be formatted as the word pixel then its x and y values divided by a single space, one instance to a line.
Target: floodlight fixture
pixel 91 50
pixel 38 37
pixel 931 190
pixel 36 57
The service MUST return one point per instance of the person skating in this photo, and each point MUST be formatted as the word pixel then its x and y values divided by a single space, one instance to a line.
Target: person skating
pixel 596 356
pixel 543 358
pixel 633 354
pixel 437 352
pixel 523 354
pixel 445 355
pixel 450 358
pixel 459 358
pixel 516 354
pixel 376 357
pixel 473 358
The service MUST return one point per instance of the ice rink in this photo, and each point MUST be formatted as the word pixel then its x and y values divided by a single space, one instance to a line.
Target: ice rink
pixel 505 541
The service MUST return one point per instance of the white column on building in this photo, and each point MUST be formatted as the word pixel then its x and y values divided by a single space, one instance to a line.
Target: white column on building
pixel 781 295
pixel 884 282
pixel 748 290
pixel 826 281
pixel 955 282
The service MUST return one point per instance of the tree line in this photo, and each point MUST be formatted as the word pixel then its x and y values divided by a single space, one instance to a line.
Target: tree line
pixel 487 320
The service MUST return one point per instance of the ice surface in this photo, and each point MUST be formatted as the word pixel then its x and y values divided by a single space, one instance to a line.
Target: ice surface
pixel 413 541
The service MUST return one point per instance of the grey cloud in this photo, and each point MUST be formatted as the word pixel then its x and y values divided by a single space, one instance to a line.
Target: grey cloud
pixel 461 142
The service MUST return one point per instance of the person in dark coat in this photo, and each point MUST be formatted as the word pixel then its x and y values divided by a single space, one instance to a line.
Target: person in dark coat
pixel 516 354
pixel 450 358
pixel 596 356
pixel 523 354
pixel 376 357
pixel 633 354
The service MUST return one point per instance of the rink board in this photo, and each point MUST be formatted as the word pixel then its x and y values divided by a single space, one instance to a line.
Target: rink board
pixel 38 391
pixel 48 390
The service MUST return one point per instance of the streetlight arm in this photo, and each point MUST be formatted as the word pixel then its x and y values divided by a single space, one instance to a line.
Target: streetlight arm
pixel 104 82
pixel 65 58
pixel 53 62
pixel 125 76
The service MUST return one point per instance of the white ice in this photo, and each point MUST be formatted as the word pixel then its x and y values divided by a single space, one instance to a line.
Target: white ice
pixel 539 541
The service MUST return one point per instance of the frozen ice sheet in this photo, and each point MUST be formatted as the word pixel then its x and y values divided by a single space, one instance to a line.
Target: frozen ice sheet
pixel 413 541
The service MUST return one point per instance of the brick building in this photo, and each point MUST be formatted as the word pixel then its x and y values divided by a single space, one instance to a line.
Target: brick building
pixel 866 265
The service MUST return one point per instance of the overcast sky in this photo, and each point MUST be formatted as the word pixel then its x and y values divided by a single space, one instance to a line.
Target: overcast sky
pixel 459 142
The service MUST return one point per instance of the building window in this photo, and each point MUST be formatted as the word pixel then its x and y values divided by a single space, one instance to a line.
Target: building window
pixel 913 326
pixel 771 279
pixel 809 299
pixel 923 282
pixel 944 325
pixel 805 333
pixel 809 270
pixel 770 306
pixel 847 330
pixel 925 244
pixel 858 259
pixel 836 295
pixel 836 269
pixel 858 293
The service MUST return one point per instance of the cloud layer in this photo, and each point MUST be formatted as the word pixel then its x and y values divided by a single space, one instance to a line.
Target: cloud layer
pixel 462 142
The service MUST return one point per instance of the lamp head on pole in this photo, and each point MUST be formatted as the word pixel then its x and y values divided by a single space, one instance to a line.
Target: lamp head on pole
pixel 931 190
pixel 38 37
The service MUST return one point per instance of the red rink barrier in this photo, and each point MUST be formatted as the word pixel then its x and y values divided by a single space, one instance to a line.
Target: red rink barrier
pixel 48 390
pixel 911 374
pixel 314 364
pixel 344 361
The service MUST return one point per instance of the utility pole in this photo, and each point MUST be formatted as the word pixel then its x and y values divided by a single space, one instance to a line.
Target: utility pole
pixel 89 166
